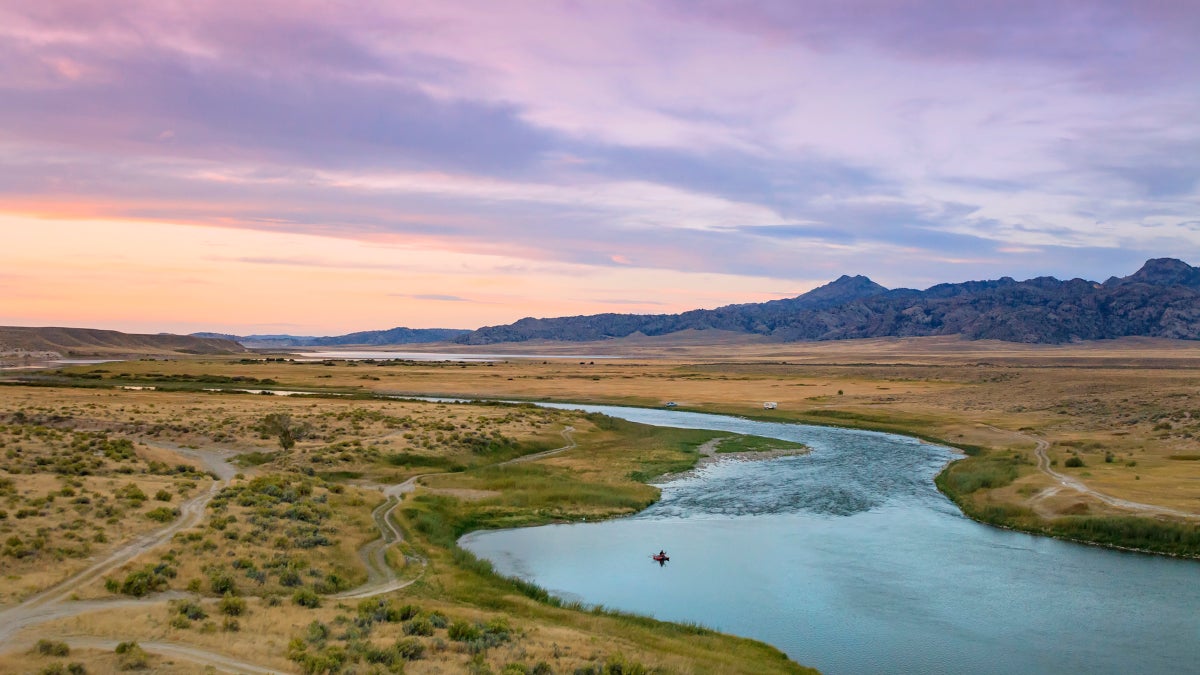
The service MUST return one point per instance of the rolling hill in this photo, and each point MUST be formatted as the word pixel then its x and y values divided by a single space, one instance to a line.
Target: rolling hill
pixel 71 342
pixel 392 336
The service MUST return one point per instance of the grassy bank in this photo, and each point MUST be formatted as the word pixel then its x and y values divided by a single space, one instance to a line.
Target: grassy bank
pixel 966 481
pixel 600 480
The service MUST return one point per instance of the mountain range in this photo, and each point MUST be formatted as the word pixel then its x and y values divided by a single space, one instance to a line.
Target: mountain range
pixel 1162 299
pixel 393 336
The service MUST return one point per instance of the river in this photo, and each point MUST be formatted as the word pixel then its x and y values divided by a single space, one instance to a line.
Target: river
pixel 851 561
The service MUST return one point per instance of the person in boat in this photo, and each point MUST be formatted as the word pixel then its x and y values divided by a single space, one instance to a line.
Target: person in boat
pixel 662 554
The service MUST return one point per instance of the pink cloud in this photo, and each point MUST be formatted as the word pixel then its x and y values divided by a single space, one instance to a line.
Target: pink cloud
pixel 761 138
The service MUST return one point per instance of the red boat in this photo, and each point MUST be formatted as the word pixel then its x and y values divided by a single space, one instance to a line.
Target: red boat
pixel 660 557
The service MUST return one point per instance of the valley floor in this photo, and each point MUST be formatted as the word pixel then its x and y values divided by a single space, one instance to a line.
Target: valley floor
pixel 140 505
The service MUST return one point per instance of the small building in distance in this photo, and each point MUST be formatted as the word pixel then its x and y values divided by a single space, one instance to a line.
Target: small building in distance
pixel 770 405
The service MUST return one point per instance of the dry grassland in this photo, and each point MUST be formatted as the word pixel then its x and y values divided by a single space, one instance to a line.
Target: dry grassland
pixel 1123 418
pixel 1133 399
pixel 252 580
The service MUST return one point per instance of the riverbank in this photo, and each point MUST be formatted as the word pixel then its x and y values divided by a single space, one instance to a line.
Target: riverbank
pixel 850 560
pixel 969 480
pixel 597 482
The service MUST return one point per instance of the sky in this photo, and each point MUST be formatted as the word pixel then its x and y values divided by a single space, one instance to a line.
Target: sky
pixel 327 167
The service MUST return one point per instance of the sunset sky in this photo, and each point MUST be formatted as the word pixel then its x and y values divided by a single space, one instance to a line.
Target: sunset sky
pixel 327 167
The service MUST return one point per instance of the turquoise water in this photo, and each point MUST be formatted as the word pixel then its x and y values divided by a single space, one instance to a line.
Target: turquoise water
pixel 851 561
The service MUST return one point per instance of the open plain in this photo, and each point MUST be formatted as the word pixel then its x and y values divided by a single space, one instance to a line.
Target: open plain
pixel 156 502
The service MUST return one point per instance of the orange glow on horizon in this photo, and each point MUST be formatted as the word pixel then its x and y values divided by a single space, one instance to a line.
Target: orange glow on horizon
pixel 143 276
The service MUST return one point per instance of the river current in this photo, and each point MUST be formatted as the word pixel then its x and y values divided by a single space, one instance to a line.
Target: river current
pixel 850 561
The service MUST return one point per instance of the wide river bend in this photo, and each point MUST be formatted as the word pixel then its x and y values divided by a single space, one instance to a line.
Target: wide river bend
pixel 851 561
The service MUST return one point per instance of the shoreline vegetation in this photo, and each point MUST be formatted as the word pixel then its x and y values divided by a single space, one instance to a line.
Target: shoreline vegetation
pixel 982 468
pixel 979 468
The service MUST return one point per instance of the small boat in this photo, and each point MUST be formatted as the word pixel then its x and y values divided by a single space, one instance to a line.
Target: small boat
pixel 660 557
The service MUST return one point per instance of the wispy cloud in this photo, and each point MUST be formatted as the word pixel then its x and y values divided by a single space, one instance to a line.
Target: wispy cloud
pixel 432 296
pixel 766 138
pixel 627 301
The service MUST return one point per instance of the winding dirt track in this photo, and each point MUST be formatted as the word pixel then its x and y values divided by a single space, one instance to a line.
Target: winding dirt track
pixel 184 652
pixel 381 578
pixel 1071 483
pixel 49 604
pixel 54 603
pixel 566 434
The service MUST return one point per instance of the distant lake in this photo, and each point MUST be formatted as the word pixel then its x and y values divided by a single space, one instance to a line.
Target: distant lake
pixel 41 364
pixel 433 356
pixel 851 561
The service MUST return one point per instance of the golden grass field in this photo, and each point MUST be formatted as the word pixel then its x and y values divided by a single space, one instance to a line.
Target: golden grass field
pixel 291 522
pixel 1127 411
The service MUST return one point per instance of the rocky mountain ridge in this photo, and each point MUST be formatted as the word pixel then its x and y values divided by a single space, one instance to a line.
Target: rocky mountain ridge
pixel 1162 299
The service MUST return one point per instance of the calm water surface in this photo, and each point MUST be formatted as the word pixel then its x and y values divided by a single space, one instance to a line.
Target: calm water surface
pixel 431 356
pixel 851 561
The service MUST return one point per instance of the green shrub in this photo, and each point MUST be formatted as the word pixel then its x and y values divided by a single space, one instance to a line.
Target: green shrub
pixel 149 579
pixel 418 626
pixel 51 648
pixel 131 656
pixel 316 633
pixel 1074 461
pixel 191 610
pixel 232 606
pixel 462 631
pixel 409 649
pixel 131 492
pixel 222 583
pixel 331 659
pixel 306 597
pixel 163 514
pixel 406 612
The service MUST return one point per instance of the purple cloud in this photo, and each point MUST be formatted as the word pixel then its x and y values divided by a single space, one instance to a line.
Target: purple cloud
pixel 771 138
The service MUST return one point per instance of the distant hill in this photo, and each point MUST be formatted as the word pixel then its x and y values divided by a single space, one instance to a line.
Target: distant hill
pixel 1162 299
pixel 68 342
pixel 374 338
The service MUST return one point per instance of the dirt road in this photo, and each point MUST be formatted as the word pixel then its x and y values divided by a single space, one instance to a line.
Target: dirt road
pixel 381 578
pixel 1071 483
pixel 54 603
pixel 566 434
